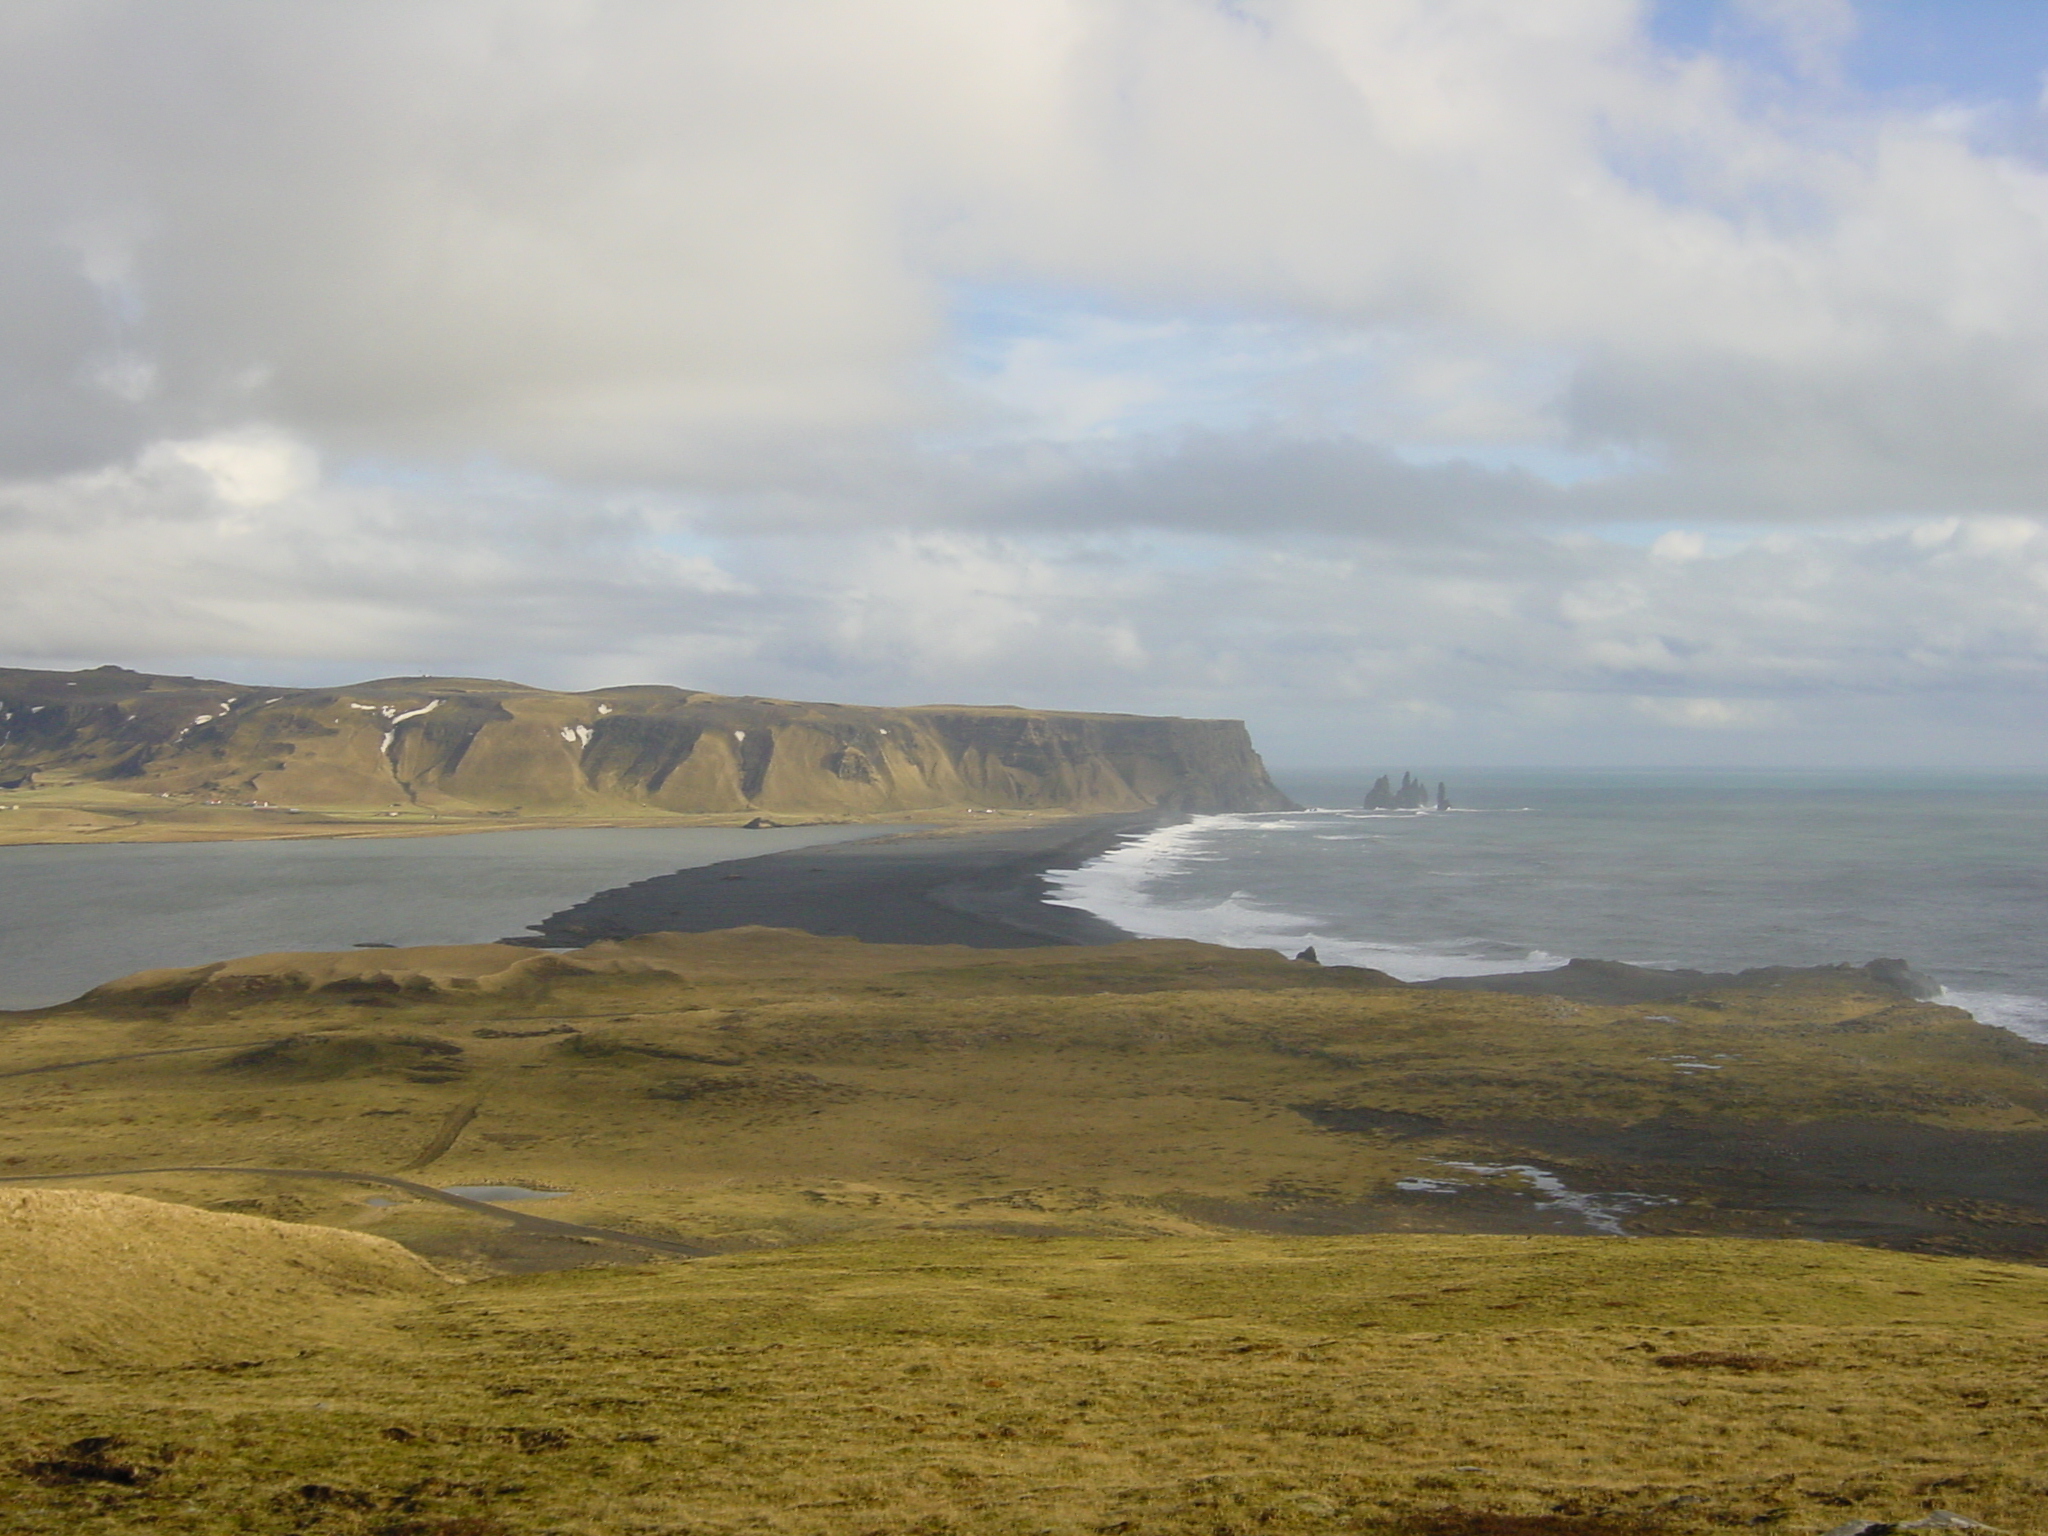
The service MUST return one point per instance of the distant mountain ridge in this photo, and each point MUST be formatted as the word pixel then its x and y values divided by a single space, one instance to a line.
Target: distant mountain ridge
pixel 482 745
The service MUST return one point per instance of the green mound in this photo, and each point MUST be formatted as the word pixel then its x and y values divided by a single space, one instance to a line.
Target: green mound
pixel 108 1280
pixel 325 1057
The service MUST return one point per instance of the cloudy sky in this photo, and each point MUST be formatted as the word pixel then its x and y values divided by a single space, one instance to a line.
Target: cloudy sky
pixel 1446 381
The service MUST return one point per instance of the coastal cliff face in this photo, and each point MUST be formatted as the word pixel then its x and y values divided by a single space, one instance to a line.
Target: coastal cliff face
pixel 464 744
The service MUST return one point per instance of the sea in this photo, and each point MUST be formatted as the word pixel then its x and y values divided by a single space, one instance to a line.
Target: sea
pixel 1711 870
pixel 73 916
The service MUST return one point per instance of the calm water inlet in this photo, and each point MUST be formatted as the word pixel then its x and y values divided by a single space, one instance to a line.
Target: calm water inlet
pixel 73 916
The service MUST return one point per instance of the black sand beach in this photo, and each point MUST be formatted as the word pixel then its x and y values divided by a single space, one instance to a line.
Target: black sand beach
pixel 981 889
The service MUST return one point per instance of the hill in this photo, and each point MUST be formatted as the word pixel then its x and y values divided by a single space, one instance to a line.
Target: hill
pixel 1141 1237
pixel 761 1086
pixel 463 747
pixel 907 1386
pixel 109 1280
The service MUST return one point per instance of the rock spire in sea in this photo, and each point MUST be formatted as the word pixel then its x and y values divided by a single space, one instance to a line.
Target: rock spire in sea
pixel 1412 794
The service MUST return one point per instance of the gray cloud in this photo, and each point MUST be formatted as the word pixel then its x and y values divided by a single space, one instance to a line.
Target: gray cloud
pixel 601 339
pixel 1692 646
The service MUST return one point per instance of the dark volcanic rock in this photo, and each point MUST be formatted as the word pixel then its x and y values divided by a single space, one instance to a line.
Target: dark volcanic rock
pixel 986 890
pixel 1411 795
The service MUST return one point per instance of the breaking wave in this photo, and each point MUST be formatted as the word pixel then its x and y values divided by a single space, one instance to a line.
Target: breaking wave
pixel 1150 886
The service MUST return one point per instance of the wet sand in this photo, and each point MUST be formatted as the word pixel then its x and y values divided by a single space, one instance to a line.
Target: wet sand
pixel 983 889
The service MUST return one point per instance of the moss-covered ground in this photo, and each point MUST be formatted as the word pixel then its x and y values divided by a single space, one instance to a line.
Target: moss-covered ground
pixel 966 1382
pixel 1151 1237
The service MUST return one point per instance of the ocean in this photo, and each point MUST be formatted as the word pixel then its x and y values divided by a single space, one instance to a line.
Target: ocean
pixel 1710 870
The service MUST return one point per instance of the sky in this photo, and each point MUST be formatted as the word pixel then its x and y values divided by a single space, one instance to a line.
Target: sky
pixel 1631 382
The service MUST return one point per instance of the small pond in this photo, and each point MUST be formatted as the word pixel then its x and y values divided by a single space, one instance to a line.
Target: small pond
pixel 493 1192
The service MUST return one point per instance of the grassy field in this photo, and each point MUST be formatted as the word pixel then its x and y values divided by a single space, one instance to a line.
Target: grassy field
pixel 1147 1237
pixel 758 1087
pixel 965 1382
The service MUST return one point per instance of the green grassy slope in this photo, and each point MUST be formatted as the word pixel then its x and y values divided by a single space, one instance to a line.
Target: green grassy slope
pixel 970 1383
pixel 1146 1237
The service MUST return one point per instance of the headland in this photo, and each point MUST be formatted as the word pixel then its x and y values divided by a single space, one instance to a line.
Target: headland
pixel 114 755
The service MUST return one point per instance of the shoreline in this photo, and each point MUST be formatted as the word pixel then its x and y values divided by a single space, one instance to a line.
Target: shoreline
pixel 38 820
pixel 956 885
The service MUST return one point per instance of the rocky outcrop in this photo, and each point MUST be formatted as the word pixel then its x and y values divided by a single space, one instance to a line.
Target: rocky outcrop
pixel 1411 795
pixel 466 744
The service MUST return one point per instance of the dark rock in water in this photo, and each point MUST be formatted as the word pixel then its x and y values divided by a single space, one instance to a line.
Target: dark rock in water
pixel 1309 955
pixel 1411 795
pixel 1611 981
pixel 1443 801
pixel 1903 978
pixel 759 823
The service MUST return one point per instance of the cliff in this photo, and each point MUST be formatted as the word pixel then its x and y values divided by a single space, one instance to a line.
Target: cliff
pixel 470 745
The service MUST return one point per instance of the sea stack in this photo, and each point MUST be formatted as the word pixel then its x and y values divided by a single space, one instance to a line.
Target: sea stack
pixel 1411 795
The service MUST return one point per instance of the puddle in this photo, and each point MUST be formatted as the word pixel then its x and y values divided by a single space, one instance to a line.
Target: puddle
pixel 491 1192
pixel 1429 1186
pixel 502 1192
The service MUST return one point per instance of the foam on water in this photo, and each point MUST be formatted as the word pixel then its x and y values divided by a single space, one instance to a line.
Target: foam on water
pixel 1124 887
pixel 1696 870
pixel 2026 1017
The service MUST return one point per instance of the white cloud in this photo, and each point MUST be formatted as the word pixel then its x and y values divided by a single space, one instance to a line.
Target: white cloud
pixel 1678 544
pixel 641 239
pixel 1708 714
pixel 1265 359
pixel 1508 643
pixel 248 469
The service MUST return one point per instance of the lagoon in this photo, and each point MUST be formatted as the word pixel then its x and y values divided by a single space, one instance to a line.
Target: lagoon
pixel 72 916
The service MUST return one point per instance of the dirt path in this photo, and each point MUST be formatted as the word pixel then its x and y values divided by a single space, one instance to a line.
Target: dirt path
pixel 453 1124
pixel 540 1226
